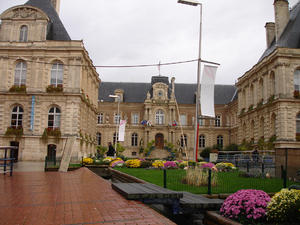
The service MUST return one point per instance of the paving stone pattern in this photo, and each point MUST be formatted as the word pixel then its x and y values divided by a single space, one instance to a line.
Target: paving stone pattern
pixel 75 197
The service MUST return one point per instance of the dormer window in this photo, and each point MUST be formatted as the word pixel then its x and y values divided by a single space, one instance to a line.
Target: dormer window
pixel 23 34
pixel 121 94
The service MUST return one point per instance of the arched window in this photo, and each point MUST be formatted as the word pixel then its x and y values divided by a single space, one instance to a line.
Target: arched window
pixel 201 141
pixel 261 89
pixel 251 94
pixel 252 129
pixel 57 72
pixel 272 84
pixel 273 124
pixel 220 140
pixel 98 137
pixel 134 139
pixel 159 117
pixel 20 74
pixel 23 34
pixel 17 117
pixel 298 123
pixel 297 80
pixel 185 141
pixel 54 118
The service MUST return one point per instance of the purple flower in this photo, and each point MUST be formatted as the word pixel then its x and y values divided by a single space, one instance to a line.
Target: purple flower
pixel 207 165
pixel 170 164
pixel 248 203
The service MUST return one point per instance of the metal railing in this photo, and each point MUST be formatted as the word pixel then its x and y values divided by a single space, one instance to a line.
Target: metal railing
pixel 55 161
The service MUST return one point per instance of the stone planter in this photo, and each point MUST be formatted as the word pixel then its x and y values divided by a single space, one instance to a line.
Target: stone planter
pixel 213 218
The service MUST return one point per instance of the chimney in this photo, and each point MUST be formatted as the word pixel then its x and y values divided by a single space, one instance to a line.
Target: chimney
pixel 56 4
pixel 282 16
pixel 173 84
pixel 270 32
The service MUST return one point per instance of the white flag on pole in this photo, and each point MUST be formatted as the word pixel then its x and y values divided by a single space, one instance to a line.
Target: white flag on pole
pixel 207 91
pixel 122 130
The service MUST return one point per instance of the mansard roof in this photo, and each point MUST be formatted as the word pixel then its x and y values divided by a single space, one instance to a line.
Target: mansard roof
pixel 56 29
pixel 290 37
pixel 184 93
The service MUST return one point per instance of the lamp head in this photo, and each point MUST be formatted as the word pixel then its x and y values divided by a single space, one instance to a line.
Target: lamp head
pixel 189 2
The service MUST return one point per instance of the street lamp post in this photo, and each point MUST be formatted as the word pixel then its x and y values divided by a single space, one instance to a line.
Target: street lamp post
pixel 196 3
pixel 116 97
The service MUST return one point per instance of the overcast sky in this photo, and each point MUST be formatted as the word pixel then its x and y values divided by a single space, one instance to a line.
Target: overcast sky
pixel 143 32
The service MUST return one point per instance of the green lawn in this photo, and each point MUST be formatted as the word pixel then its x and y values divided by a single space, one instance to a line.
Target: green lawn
pixel 226 182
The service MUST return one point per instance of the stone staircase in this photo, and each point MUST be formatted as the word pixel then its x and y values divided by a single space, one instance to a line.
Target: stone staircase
pixel 159 153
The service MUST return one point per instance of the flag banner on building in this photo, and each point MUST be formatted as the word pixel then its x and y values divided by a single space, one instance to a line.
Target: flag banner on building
pixel 207 91
pixel 122 130
pixel 144 122
pixel 174 123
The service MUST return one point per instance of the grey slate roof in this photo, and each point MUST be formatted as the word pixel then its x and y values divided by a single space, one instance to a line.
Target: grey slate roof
pixel 56 30
pixel 185 93
pixel 290 37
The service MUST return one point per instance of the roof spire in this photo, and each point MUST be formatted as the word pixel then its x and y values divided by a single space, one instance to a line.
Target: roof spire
pixel 159 68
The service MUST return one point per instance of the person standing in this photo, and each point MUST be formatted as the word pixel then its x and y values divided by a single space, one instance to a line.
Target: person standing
pixel 255 155
pixel 111 151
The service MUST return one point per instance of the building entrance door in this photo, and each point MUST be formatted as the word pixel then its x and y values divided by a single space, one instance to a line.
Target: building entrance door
pixel 16 151
pixel 51 153
pixel 159 141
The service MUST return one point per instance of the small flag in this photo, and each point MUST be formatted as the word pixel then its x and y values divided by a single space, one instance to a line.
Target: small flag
pixel 144 122
pixel 174 123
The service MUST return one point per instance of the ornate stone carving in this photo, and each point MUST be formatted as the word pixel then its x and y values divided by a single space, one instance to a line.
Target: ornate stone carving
pixel 25 13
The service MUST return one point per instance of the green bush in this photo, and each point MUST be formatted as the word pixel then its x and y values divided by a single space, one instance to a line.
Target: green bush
pixel 145 164
pixel 231 147
pixel 205 152
pixel 284 206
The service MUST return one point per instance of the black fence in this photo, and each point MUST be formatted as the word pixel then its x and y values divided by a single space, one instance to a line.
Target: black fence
pixel 201 181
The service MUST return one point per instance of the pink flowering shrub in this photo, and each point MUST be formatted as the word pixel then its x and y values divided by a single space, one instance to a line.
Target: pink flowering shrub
pixel 246 205
pixel 170 165
pixel 208 165
pixel 117 164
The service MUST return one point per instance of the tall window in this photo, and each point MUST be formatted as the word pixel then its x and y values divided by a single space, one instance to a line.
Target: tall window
pixel 185 141
pixel 220 140
pixel 20 74
pixel 54 118
pixel 298 123
pixel 114 138
pixel 117 118
pixel 134 139
pixel 273 84
pixel 201 122
pixel 297 80
pixel 17 116
pixel 261 89
pixel 135 118
pixel 183 120
pixel 100 118
pixel 218 121
pixel 57 72
pixel 98 138
pixel 159 117
pixel 23 34
pixel 201 141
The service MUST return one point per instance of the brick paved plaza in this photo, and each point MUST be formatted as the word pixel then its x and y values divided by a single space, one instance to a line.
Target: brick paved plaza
pixel 76 197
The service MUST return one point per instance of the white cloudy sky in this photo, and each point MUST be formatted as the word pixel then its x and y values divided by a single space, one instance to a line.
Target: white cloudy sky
pixel 139 32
